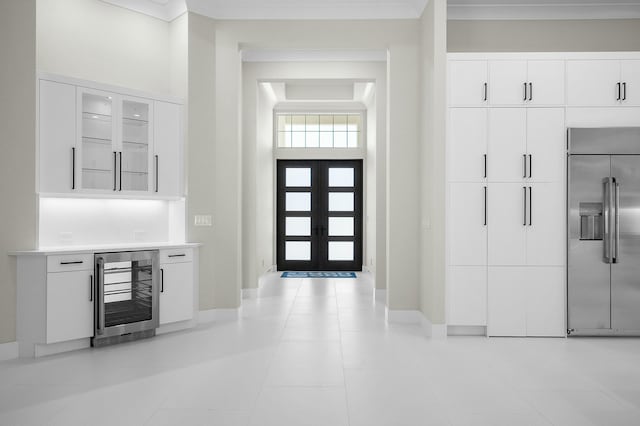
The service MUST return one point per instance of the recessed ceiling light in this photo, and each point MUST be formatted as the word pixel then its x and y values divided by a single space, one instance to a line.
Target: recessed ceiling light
pixel 136 115
pixel 95 116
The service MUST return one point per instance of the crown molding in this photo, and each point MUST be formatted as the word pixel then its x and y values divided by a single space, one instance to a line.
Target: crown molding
pixel 542 11
pixel 167 10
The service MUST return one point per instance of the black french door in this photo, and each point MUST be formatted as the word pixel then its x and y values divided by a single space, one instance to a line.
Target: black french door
pixel 319 215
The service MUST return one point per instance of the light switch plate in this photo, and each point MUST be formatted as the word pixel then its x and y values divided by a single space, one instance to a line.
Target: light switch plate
pixel 202 220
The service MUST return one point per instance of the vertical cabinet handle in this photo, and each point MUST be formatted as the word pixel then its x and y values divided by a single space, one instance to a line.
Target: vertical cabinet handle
pixel 524 209
pixel 90 288
pixel 624 91
pixel 157 172
pixel 525 91
pixel 485 92
pixel 530 91
pixel 530 164
pixel 161 280
pixel 618 98
pixel 73 168
pixel 524 165
pixel 485 165
pixel 485 205
pixel 115 168
pixel 120 171
pixel 530 206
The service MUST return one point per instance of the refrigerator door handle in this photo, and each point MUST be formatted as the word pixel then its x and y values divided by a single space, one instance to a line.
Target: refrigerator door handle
pixel 616 218
pixel 608 235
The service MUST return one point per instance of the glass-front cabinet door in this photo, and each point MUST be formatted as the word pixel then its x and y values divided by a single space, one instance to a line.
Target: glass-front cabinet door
pixel 136 149
pixel 97 145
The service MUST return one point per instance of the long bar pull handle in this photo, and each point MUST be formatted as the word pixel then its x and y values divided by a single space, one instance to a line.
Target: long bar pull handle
pixel 530 206
pixel 530 164
pixel 615 254
pixel 607 216
pixel 115 168
pixel 73 262
pixel 100 296
pixel 530 91
pixel 177 255
pixel 73 168
pixel 90 288
pixel 157 172
pixel 525 91
pixel 485 206
pixel 485 166
pixel 524 165
pixel 624 91
pixel 120 171
pixel 618 98
pixel 161 280
pixel 485 92
pixel 524 209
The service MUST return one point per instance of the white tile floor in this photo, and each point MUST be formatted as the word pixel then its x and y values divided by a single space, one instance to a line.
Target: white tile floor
pixel 318 352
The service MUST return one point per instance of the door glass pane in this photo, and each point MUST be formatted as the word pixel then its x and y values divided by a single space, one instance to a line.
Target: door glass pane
pixel 341 226
pixel 127 292
pixel 135 146
pixel 339 139
pixel 298 201
pixel 97 150
pixel 341 201
pixel 340 250
pixel 341 177
pixel 298 226
pixel 298 250
pixel 298 177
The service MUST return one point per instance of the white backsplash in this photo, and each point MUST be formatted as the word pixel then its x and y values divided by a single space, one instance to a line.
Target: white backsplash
pixel 81 221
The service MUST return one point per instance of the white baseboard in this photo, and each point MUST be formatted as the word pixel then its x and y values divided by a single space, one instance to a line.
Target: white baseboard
pixel 380 295
pixel 8 351
pixel 466 330
pixel 249 293
pixel 434 331
pixel 211 315
pixel 176 326
pixel 57 348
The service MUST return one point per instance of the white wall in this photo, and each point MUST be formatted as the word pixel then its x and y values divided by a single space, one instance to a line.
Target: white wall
pixel 17 138
pixel 93 40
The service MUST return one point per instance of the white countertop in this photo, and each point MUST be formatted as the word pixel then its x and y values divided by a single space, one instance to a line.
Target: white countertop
pixel 101 248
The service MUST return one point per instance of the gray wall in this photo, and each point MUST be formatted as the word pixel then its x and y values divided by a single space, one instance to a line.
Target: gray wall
pixel 544 36
pixel 18 142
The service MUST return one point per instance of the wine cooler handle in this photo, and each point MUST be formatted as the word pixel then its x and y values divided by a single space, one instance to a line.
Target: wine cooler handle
pixel 100 296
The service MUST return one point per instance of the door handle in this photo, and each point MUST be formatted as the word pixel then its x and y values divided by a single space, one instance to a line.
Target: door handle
pixel 115 168
pixel 624 91
pixel 524 165
pixel 161 280
pixel 485 92
pixel 90 288
pixel 485 205
pixel 485 165
pixel 530 164
pixel 120 171
pixel 524 210
pixel 607 198
pixel 525 91
pixel 618 98
pixel 530 206
pixel 616 217
pixel 99 309
pixel 73 168
pixel 157 172
pixel 530 91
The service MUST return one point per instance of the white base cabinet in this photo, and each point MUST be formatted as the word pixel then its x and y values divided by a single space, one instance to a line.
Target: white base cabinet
pixel 69 305
pixel 467 296
pixel 176 286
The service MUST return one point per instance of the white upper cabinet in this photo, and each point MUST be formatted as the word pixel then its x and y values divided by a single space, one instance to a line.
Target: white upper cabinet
pixel 507 82
pixel 468 84
pixel 57 137
pixel 507 144
pixel 630 82
pixel 467 144
pixel 168 150
pixel 545 144
pixel 593 83
pixel 99 142
pixel 545 83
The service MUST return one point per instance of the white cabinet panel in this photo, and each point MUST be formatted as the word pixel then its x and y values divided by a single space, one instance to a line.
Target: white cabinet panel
pixel 506 82
pixel 545 301
pixel 168 146
pixel 547 82
pixel 546 136
pixel 467 224
pixel 506 304
pixel 467 296
pixel 69 306
pixel 546 235
pixel 593 82
pixel 506 218
pixel 467 83
pixel 631 78
pixel 507 144
pixel 176 296
pixel 467 144
pixel 57 137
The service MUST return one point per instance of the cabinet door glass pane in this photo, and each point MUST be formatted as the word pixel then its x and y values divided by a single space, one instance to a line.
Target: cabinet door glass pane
pixel 341 226
pixel 298 201
pixel 340 250
pixel 298 250
pixel 97 148
pixel 298 177
pixel 341 201
pixel 135 146
pixel 298 226
pixel 341 177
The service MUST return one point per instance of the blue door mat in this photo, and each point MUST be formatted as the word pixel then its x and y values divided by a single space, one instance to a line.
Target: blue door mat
pixel 296 274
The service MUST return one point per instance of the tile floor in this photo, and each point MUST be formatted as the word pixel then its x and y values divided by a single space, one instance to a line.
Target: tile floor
pixel 318 352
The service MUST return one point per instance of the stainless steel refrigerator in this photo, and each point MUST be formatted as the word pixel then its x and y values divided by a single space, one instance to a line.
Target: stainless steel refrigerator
pixel 603 231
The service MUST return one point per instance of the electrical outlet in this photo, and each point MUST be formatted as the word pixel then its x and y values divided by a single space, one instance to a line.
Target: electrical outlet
pixel 202 220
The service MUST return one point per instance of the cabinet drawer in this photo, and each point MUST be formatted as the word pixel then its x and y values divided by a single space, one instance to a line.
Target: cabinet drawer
pixel 70 262
pixel 176 255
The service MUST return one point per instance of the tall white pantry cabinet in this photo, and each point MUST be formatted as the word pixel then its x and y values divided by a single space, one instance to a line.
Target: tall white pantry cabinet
pixel 506 161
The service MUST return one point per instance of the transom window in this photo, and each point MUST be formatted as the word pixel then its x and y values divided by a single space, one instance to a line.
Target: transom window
pixel 318 130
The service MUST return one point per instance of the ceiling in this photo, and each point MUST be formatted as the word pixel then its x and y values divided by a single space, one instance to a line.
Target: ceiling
pixel 385 9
